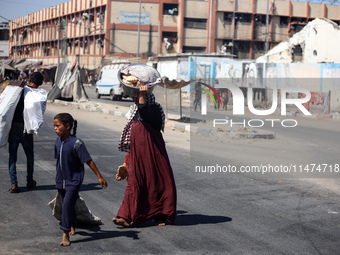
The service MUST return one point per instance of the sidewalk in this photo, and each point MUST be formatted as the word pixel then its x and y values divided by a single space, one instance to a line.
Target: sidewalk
pixel 173 121
pixel 199 127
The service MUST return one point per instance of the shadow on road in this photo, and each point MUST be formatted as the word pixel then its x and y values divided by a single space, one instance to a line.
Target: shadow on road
pixel 38 187
pixel 90 186
pixel 84 187
pixel 184 219
pixel 97 234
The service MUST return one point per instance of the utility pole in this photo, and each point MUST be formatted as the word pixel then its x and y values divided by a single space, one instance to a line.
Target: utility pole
pixel 138 40
pixel 16 42
pixel 234 27
pixel 64 40
pixel 267 28
pixel 210 20
pixel 59 26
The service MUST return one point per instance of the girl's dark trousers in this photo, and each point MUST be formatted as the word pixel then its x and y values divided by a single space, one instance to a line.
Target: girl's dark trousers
pixel 68 200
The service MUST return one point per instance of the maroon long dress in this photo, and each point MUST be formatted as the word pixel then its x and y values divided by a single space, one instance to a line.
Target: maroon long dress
pixel 150 190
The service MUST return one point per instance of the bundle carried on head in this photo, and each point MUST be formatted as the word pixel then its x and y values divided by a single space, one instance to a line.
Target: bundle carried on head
pixel 131 80
pixel 133 76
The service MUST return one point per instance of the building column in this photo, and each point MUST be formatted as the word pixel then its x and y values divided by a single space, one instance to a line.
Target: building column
pixel 180 28
pixel 211 26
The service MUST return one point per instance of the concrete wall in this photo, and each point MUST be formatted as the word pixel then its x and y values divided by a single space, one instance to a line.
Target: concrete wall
pixel 298 9
pixel 120 6
pixel 243 6
pixel 121 37
pixel 281 30
pixel 281 8
pixel 196 9
pixel 315 10
pixel 223 28
pixel 223 5
pixel 170 20
pixel 195 37
pixel 332 11
pixel 260 6
pixel 243 30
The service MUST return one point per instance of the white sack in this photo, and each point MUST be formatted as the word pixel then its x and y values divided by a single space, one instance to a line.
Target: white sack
pixel 84 215
pixel 8 102
pixel 35 106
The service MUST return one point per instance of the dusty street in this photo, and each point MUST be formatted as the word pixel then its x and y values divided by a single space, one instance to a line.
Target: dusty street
pixel 219 213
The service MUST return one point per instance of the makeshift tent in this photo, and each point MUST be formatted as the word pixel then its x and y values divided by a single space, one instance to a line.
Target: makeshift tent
pixel 7 71
pixel 173 84
pixel 49 73
pixel 68 84
pixel 28 63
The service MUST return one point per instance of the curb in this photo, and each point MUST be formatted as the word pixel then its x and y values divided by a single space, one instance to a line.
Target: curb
pixel 186 127
pixel 232 134
pixel 316 116
pixel 91 108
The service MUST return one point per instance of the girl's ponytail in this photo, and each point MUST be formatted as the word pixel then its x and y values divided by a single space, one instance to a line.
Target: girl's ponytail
pixel 75 125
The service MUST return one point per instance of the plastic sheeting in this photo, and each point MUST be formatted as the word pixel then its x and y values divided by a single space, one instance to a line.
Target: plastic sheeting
pixel 8 102
pixel 68 84
pixel 35 106
pixel 84 215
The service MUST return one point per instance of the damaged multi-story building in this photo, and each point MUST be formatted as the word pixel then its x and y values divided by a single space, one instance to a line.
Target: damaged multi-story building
pixel 317 42
pixel 88 30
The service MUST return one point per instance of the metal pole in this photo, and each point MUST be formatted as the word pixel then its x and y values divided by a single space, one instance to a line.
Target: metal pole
pixel 64 40
pixel 234 27
pixel 209 51
pixel 267 28
pixel 16 44
pixel 59 37
pixel 41 38
pixel 180 103
pixel 138 40
pixel 159 37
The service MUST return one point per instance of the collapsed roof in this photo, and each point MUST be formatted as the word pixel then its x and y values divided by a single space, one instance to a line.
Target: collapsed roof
pixel 317 42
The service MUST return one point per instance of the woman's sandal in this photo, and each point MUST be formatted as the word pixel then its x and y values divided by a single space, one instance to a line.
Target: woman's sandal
pixel 121 222
pixel 160 222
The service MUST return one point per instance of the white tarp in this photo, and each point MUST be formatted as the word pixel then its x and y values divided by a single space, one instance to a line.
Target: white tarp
pixel 8 102
pixel 84 215
pixel 68 83
pixel 35 106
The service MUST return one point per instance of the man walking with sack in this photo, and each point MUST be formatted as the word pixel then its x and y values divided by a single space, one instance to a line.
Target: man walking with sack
pixel 22 131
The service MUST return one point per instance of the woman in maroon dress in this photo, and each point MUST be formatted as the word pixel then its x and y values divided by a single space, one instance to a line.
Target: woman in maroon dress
pixel 150 189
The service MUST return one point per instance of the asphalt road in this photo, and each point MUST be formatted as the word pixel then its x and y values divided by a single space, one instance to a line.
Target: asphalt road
pixel 218 213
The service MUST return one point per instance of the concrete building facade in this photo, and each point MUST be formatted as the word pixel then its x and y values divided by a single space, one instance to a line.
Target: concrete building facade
pixel 72 31
pixel 94 29
pixel 4 37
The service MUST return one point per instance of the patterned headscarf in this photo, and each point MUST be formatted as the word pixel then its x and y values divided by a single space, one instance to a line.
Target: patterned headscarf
pixel 125 138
